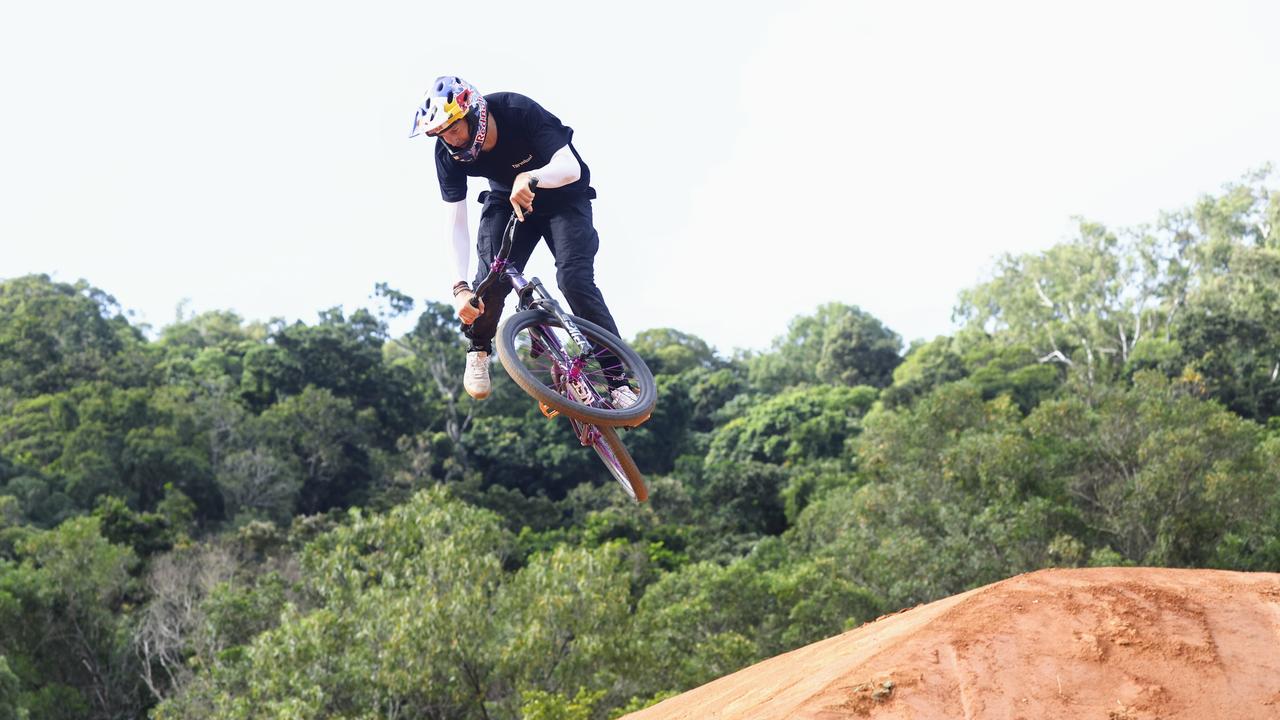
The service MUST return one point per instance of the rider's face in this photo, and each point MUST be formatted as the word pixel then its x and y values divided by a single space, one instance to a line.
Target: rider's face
pixel 457 134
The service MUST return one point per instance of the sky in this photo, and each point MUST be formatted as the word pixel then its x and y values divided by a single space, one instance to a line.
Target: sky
pixel 753 160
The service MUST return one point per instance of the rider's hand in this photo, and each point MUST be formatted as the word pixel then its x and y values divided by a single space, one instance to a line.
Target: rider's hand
pixel 466 312
pixel 521 195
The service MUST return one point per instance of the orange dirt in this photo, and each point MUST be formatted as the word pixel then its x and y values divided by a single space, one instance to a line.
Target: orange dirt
pixel 1107 643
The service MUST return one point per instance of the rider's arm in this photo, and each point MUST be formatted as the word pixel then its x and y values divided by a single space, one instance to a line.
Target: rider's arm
pixel 562 169
pixel 460 236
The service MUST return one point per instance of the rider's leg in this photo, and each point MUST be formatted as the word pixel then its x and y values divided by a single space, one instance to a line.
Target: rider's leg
pixel 493 220
pixel 572 237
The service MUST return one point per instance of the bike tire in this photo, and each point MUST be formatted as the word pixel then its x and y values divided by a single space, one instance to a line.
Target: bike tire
pixel 536 379
pixel 617 459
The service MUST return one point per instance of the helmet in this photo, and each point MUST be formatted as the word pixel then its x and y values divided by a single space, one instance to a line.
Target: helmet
pixel 449 100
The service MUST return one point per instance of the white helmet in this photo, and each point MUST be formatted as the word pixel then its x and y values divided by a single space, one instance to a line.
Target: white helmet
pixel 449 100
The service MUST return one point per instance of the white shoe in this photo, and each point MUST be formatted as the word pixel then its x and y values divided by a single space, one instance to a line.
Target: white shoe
pixel 623 397
pixel 476 380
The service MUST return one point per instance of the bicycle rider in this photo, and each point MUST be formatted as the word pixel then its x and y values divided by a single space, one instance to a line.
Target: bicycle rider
pixel 510 139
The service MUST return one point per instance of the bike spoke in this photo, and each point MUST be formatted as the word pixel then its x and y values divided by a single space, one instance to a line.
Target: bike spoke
pixel 548 362
pixel 547 358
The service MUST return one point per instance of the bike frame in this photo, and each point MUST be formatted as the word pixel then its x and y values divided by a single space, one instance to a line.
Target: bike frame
pixel 532 295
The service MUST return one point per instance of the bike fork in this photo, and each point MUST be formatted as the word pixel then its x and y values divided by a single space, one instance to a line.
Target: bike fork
pixel 533 289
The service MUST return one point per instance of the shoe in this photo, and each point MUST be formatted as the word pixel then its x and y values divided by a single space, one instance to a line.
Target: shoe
pixel 623 397
pixel 476 379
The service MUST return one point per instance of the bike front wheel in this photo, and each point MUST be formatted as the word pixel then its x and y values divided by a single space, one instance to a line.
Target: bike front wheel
pixel 543 359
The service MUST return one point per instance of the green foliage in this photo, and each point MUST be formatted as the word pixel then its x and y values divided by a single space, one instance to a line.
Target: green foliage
pixel 237 613
pixel 671 352
pixel 668 433
pixel 636 704
pixel 1229 334
pixel 1014 371
pixel 1161 473
pixel 96 440
pixel 541 705
pixel 54 336
pixel 1199 289
pixel 10 707
pixel 812 481
pixel 568 610
pixel 416 610
pixel 147 533
pixel 926 366
pixel 707 620
pixel 953 497
pixel 691 407
pixel 805 423
pixel 840 344
pixel 742 498
pixel 504 449
pixel 270 520
pixel 325 442
pixel 60 621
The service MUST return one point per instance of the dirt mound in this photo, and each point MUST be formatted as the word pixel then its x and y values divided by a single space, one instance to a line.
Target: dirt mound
pixel 1110 643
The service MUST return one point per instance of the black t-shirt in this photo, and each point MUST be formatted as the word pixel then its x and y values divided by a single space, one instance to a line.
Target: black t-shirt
pixel 528 136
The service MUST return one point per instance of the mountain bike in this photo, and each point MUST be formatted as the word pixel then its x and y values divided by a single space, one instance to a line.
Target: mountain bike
pixel 570 365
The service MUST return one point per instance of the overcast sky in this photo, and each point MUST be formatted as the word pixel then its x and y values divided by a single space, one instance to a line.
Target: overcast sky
pixel 753 160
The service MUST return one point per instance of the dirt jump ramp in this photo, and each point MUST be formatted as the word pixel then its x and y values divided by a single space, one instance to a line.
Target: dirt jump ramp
pixel 1105 643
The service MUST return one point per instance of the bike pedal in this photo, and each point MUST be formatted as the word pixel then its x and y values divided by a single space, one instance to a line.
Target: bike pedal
pixel 547 410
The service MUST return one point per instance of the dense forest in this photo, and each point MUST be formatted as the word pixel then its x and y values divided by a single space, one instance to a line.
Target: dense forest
pixel 234 519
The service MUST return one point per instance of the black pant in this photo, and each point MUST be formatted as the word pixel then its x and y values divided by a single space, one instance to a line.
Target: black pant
pixel 571 236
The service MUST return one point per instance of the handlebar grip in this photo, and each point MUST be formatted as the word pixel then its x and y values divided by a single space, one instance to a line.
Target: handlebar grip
pixel 533 184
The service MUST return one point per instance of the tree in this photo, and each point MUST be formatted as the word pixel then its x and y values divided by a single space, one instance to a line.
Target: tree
pixel 403 621
pixel 796 426
pixel 433 353
pixel 416 615
pixel 260 482
pixel 62 610
pixel 670 352
pixel 1159 474
pixel 56 335
pixel 1199 278
pixel 174 625
pixel 1087 301
pixel 11 707
pixel 325 436
pixel 565 615
pixel 950 494
pixel 925 367
pixel 1230 339
pixel 339 354
pixel 742 498
pixel 98 439
pixel 706 620
pixel 858 350
pixel 838 344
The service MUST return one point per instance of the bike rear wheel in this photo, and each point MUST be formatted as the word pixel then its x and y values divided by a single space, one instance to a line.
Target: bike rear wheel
pixel 539 355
